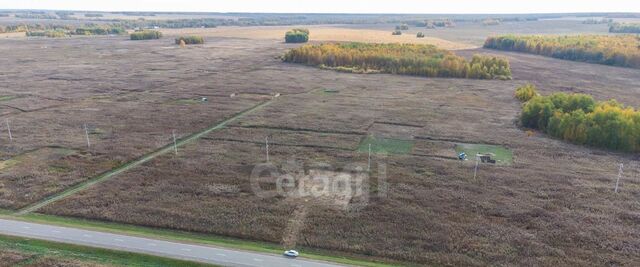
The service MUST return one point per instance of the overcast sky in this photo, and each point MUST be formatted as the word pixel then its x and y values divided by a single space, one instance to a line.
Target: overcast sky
pixel 334 6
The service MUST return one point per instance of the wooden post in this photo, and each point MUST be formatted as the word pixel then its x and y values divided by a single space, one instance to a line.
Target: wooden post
pixel 86 134
pixel 9 130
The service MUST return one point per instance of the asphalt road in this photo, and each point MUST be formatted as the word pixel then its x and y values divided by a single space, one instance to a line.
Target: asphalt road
pixel 206 254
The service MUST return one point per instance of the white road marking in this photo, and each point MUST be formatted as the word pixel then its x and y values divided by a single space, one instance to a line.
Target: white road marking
pixel 185 249
pixel 152 244
pixel 26 227
pixel 56 232
pixel 221 255
pixel 257 259
pixel 86 235
pixel 119 240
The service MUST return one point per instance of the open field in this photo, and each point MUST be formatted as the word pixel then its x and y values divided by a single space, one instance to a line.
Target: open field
pixel 553 205
pixel 320 33
pixel 128 109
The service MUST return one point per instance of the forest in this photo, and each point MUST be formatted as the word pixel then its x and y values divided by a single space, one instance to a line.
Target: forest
pixel 408 59
pixel 619 50
pixel 579 119
pixel 624 28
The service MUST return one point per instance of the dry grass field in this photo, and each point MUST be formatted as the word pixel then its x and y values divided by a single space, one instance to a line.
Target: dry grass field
pixel 553 205
pixel 131 99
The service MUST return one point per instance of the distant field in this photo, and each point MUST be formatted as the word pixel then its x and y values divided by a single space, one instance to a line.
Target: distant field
pixel 318 33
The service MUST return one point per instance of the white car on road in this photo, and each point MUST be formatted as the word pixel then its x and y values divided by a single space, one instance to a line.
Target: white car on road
pixel 291 253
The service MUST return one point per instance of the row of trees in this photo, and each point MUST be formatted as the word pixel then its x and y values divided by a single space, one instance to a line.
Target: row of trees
pixel 579 119
pixel 49 33
pixel 597 21
pixel 145 35
pixel 620 50
pixel 625 28
pixel 297 36
pixel 99 30
pixel 410 59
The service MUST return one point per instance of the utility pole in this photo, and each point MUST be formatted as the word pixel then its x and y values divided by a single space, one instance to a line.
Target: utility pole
pixel 475 170
pixel 369 164
pixel 266 141
pixel 175 144
pixel 619 175
pixel 86 134
pixel 9 129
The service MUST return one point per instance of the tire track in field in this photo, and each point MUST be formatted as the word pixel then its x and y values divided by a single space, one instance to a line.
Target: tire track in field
pixel 131 164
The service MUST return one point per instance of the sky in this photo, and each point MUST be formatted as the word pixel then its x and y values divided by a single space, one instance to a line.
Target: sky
pixel 335 6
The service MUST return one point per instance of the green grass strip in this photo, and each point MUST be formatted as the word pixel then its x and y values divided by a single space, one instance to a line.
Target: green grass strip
pixel 37 249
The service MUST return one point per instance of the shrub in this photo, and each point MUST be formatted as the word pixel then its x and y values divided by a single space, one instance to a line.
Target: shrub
pixel 145 35
pixel 420 35
pixel 190 40
pixel 396 33
pixel 93 15
pixel 410 59
pixel 526 92
pixel 579 119
pixel 621 50
pixel 297 36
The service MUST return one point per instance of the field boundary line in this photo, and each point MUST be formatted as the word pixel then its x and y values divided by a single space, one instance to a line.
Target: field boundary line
pixel 131 164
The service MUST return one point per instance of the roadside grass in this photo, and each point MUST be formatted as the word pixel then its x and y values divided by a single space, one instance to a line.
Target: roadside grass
pixel 385 145
pixel 502 155
pixel 38 249
pixel 193 238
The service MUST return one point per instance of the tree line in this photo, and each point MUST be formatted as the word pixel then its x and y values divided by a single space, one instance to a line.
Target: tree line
pixel 579 119
pixel 624 28
pixel 620 50
pixel 409 59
